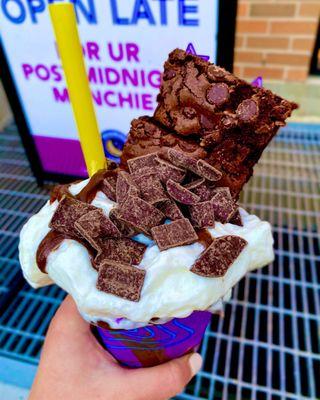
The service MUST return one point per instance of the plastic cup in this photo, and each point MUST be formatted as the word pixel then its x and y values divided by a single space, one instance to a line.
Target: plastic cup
pixel 155 344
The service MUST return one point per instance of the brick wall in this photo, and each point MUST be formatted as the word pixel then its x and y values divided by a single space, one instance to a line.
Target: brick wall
pixel 275 38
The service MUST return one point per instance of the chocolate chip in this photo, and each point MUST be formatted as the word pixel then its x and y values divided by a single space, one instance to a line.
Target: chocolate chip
pixel 168 171
pixel 122 250
pixel 168 74
pixel 95 225
pixel 67 213
pixel 125 187
pixel 148 160
pixel 218 94
pixel 170 209
pixel 121 280
pixel 223 206
pixel 247 110
pixel 208 172
pixel 189 112
pixel 181 194
pixel 236 219
pixel 219 256
pixel 140 214
pixel 202 214
pixel 177 233
pixel 151 188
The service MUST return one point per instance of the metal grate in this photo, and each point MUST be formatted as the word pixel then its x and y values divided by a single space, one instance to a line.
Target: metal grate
pixel 267 346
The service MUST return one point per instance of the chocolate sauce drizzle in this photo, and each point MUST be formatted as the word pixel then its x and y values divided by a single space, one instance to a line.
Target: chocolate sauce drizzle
pixel 53 239
pixel 204 237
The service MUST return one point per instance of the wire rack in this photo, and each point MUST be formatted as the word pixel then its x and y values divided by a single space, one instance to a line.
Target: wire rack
pixel 267 346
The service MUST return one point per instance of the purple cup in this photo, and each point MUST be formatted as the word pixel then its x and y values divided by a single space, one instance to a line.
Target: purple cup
pixel 155 344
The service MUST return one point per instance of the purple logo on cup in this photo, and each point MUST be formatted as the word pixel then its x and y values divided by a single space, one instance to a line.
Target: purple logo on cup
pixel 113 142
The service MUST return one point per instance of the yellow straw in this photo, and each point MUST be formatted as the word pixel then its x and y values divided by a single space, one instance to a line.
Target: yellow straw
pixel 65 27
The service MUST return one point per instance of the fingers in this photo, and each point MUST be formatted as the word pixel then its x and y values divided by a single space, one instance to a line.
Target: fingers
pixel 165 380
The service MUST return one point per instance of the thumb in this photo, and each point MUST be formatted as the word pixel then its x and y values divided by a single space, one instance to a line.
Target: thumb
pixel 165 380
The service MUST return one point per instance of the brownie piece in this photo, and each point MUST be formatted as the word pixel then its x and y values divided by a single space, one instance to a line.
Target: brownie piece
pixel 211 114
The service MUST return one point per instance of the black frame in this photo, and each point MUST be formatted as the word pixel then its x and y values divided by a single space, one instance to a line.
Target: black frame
pixel 227 12
pixel 315 62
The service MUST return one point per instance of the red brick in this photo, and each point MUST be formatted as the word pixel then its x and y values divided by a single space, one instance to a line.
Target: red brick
pixel 293 27
pixel 265 72
pixel 262 42
pixel 287 59
pixel 238 71
pixel 239 41
pixel 310 9
pixel 272 10
pixel 303 44
pixel 251 26
pixel 242 10
pixel 248 56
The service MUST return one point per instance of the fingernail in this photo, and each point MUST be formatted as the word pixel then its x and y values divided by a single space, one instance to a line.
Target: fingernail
pixel 195 362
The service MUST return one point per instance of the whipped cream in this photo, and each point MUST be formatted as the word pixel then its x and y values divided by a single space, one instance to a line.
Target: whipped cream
pixel 170 289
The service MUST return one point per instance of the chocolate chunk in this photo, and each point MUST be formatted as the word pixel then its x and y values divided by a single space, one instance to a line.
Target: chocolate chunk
pixel 208 172
pixel 95 225
pixel 168 171
pixel 108 187
pixel 205 191
pixel 202 214
pixel 218 94
pixel 151 188
pixel 140 214
pixel 125 229
pixel 219 256
pixel 247 110
pixel 177 233
pixel 170 209
pixel 143 172
pixel 222 189
pixel 194 184
pixel 181 194
pixel 121 280
pixel 67 213
pixel 223 206
pixel 137 163
pixel 183 160
pixel 236 219
pixel 123 250
pixel 125 187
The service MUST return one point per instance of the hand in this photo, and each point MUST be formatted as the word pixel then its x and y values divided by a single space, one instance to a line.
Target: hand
pixel 74 366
